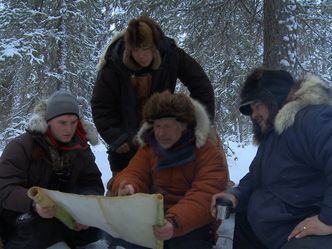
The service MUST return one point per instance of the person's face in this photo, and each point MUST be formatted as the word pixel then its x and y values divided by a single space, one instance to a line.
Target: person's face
pixel 260 115
pixel 168 131
pixel 143 56
pixel 63 127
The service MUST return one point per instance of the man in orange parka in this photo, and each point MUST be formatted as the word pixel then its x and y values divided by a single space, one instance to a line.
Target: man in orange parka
pixel 177 160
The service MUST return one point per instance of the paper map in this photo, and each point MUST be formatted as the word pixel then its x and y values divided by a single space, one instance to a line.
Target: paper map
pixel 127 217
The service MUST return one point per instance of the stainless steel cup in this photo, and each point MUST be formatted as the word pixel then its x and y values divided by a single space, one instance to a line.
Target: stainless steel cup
pixel 224 207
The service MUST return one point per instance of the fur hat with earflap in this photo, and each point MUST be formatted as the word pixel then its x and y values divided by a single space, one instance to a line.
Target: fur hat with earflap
pixel 269 86
pixel 179 106
pixel 59 103
pixel 142 32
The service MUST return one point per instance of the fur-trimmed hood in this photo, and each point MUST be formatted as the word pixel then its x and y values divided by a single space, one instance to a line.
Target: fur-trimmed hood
pixel 116 51
pixel 142 32
pixel 202 127
pixel 313 91
pixel 37 123
pixel 102 60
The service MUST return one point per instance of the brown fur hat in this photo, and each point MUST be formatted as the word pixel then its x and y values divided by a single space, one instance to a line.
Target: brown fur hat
pixel 166 104
pixel 269 86
pixel 142 32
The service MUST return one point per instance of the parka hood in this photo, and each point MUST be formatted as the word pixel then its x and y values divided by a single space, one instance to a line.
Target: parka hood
pixel 313 91
pixel 102 60
pixel 202 127
pixel 38 123
pixel 116 50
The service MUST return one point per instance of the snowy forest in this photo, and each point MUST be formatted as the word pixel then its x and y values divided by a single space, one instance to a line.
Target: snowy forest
pixel 47 45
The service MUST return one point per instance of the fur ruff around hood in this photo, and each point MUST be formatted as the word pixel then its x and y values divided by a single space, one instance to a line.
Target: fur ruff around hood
pixel 202 127
pixel 126 57
pixel 312 91
pixel 38 123
pixel 102 60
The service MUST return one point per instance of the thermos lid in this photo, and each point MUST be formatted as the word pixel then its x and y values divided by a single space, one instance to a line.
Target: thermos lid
pixel 223 202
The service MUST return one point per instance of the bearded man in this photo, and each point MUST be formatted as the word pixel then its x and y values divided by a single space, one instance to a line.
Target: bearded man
pixel 285 201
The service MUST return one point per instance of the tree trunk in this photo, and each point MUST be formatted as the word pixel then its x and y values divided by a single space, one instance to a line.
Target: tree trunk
pixel 279 34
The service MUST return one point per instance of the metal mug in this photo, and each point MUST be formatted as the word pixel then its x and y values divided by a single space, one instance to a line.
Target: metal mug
pixel 223 207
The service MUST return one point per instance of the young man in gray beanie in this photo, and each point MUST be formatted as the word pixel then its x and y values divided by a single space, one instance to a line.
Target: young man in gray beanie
pixel 285 201
pixel 53 153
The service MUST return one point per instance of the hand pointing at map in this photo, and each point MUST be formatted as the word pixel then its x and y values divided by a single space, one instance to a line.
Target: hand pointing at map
pixel 125 189
pixel 164 232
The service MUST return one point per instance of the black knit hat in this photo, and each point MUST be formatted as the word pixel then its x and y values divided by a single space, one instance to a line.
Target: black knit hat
pixel 265 85
pixel 60 103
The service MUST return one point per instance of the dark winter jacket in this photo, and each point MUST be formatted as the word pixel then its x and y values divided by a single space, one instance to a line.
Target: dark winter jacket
pixel 187 187
pixel 290 177
pixel 27 161
pixel 114 100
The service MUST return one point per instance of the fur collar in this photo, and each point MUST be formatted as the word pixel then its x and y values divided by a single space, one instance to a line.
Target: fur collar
pixel 102 60
pixel 37 123
pixel 312 91
pixel 202 128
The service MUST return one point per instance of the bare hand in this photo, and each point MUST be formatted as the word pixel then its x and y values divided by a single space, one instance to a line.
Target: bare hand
pixel 225 195
pixel 310 226
pixel 125 189
pixel 123 148
pixel 79 227
pixel 164 232
pixel 45 212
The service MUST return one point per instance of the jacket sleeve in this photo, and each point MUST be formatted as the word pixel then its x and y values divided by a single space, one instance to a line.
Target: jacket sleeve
pixel 137 173
pixel 195 79
pixel 211 177
pixel 242 192
pixel 317 127
pixel 106 108
pixel 14 163
pixel 89 180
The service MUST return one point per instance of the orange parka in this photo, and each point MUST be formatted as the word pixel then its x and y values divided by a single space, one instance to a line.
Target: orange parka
pixel 187 189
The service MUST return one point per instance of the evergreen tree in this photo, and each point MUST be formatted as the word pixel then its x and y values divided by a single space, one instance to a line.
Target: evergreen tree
pixel 47 45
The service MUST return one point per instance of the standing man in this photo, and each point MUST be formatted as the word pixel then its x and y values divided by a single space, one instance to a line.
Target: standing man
pixel 53 154
pixel 285 201
pixel 138 63
pixel 177 160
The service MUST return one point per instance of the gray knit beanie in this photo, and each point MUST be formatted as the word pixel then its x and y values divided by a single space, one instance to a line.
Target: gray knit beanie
pixel 61 102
